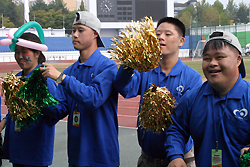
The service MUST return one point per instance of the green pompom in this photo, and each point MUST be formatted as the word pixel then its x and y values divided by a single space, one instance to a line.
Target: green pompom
pixel 244 160
pixel 36 93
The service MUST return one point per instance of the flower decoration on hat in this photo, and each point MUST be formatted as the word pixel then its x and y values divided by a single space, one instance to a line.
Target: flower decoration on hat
pixel 156 109
pixel 137 46
pixel 14 38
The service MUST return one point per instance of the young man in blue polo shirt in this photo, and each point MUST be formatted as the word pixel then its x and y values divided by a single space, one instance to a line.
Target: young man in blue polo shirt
pixel 171 73
pixel 216 115
pixel 87 95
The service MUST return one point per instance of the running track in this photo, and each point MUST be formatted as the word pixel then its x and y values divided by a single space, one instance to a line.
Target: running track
pixel 127 108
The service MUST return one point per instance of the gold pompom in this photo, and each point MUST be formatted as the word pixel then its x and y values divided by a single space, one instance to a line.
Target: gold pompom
pixel 137 46
pixel 19 108
pixel 10 85
pixel 158 104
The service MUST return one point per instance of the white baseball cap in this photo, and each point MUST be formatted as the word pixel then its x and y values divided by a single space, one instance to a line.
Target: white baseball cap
pixel 230 39
pixel 91 21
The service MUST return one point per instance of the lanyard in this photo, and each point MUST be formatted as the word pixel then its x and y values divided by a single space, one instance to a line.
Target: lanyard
pixel 217 129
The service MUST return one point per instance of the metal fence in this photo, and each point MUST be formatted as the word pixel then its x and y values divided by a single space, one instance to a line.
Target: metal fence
pixel 197 35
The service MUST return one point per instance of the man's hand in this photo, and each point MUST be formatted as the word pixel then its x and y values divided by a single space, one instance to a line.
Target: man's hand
pixel 48 71
pixel 178 162
pixel 2 124
pixel 242 151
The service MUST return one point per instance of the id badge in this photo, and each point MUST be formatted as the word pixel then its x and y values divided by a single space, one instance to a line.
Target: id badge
pixel 76 118
pixel 17 128
pixel 216 158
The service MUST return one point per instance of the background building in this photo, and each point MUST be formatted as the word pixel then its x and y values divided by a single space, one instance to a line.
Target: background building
pixel 178 7
pixel 122 10
pixel 70 4
pixel 127 10
pixel 73 4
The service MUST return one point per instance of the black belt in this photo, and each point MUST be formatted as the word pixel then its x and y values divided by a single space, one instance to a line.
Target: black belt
pixel 156 161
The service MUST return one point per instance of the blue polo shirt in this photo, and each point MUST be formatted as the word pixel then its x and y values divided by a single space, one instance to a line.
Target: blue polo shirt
pixel 208 118
pixel 88 89
pixel 131 83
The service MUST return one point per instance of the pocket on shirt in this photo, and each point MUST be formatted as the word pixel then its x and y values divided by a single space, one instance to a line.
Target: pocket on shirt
pixel 238 131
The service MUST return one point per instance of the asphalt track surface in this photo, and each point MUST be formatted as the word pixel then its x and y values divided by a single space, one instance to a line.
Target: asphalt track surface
pixel 127 117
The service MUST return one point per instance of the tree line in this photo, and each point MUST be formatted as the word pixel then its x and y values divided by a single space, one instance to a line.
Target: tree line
pixel 57 16
pixel 54 15
pixel 205 14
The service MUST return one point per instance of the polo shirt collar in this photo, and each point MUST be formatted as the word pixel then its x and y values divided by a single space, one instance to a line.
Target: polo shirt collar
pixel 235 93
pixel 91 60
pixel 21 73
pixel 176 70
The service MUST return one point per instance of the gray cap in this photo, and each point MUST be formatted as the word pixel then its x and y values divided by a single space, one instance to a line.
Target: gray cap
pixel 232 40
pixel 91 21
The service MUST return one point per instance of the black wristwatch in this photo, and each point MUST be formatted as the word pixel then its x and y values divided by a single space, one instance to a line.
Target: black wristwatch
pixel 59 79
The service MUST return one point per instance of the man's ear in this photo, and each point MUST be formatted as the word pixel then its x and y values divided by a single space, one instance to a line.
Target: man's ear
pixel 182 40
pixel 37 53
pixel 96 34
pixel 239 59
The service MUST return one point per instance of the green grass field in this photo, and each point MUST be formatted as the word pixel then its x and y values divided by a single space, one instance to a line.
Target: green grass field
pixel 196 64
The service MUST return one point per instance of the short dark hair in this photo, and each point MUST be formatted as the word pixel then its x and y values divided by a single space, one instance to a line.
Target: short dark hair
pixel 178 24
pixel 217 44
pixel 34 38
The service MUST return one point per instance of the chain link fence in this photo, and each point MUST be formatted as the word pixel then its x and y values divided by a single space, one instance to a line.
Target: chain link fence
pixel 198 35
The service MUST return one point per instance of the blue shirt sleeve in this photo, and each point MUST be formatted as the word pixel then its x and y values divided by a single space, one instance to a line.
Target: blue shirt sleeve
pixel 50 121
pixel 93 95
pixel 127 82
pixel 59 111
pixel 178 133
